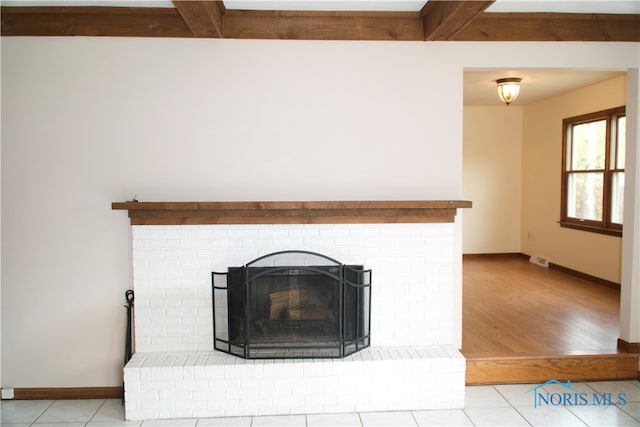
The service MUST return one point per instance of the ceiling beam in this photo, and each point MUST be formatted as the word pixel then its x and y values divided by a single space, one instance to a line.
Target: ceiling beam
pixel 204 18
pixel 552 27
pixel 92 21
pixel 307 25
pixel 442 20
pixel 310 25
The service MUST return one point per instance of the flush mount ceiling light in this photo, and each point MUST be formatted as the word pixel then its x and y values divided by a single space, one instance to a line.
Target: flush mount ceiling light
pixel 508 89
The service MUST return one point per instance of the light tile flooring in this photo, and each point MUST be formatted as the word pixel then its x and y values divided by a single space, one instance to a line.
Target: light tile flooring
pixel 500 405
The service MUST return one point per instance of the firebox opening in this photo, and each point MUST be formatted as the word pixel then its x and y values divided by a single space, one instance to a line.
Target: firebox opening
pixel 292 304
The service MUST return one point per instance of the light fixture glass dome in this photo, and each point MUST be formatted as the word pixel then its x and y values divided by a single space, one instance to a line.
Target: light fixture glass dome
pixel 508 89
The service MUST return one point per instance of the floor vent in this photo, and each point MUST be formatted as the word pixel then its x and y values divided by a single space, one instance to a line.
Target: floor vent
pixel 539 260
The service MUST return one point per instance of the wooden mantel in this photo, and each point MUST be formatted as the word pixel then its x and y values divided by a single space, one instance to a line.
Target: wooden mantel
pixel 326 212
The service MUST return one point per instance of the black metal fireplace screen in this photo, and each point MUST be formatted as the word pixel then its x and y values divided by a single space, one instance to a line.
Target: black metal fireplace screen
pixel 292 304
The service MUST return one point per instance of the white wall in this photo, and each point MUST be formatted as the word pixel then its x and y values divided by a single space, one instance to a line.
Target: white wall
pixel 592 253
pixel 88 121
pixel 492 178
pixel 0 230
pixel 98 120
pixel 630 287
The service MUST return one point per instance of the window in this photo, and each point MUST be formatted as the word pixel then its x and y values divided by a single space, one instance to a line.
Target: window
pixel 593 171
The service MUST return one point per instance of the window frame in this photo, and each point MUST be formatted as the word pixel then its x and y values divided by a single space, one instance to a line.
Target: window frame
pixel 606 226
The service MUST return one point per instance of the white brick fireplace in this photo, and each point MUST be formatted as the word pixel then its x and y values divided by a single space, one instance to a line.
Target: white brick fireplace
pixel 412 363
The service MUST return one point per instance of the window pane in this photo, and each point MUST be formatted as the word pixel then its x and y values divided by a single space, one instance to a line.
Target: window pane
pixel 617 197
pixel 621 134
pixel 588 145
pixel 584 196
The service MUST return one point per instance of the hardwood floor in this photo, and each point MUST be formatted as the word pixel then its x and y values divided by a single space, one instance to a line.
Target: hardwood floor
pixel 525 323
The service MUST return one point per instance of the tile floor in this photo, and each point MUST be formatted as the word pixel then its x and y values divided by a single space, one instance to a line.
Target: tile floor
pixel 500 405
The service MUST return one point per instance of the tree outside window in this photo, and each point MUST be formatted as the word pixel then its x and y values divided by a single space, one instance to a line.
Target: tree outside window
pixel 593 171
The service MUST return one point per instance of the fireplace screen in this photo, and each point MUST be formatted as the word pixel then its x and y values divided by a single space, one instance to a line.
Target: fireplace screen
pixel 292 304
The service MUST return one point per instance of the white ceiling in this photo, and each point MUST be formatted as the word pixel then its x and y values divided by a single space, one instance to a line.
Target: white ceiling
pixel 480 85
pixel 328 5
pixel 568 6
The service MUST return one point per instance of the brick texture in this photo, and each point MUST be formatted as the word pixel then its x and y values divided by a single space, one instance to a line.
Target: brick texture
pixel 410 365
pixel 412 276
pixel 214 384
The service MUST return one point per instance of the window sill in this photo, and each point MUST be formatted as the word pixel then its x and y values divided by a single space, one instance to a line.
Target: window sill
pixel 591 228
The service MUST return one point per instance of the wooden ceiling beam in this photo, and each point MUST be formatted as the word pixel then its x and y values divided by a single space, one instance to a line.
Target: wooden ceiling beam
pixel 204 18
pixel 92 21
pixel 309 25
pixel 443 19
pixel 457 24
pixel 552 27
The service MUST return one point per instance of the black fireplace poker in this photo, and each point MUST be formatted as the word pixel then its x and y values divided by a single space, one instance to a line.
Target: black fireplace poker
pixel 128 347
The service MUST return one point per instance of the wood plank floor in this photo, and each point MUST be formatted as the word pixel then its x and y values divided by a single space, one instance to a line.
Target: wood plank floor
pixel 525 323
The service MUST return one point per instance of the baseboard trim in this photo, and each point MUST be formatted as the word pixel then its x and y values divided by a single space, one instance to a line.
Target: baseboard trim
pixel 46 393
pixel 628 347
pixel 494 255
pixel 585 276
pixel 552 265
